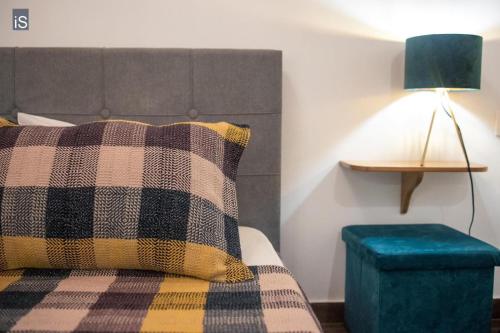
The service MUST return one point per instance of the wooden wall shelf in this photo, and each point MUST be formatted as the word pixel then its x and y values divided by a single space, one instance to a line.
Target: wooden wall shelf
pixel 411 173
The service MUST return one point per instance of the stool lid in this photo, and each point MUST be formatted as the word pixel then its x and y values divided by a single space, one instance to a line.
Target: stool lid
pixel 418 246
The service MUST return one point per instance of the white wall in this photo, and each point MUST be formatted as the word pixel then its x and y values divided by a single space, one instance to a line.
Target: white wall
pixel 343 99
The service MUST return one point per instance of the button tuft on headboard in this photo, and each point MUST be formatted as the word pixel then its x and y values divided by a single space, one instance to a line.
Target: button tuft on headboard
pixel 105 113
pixel 193 114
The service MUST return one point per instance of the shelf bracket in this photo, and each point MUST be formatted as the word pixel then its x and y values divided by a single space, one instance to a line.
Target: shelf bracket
pixel 409 182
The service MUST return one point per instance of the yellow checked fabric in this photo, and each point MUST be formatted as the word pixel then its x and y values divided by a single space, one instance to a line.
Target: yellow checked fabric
pixel 121 194
pixel 5 122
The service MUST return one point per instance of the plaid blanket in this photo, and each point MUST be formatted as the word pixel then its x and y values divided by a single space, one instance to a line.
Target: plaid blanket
pixel 46 300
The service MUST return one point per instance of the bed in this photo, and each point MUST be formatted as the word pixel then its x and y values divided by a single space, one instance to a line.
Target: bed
pixel 159 86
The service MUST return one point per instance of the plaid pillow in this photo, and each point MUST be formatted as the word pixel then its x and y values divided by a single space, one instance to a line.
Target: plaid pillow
pixel 122 194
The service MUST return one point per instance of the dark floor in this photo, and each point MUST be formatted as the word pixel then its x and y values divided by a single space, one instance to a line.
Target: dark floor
pixel 495 326
pixel 333 328
pixel 339 327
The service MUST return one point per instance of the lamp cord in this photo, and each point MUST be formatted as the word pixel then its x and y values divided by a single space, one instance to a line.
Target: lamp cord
pixel 459 132
pixel 471 181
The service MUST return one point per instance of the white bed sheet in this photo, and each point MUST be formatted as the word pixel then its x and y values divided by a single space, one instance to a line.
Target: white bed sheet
pixel 256 249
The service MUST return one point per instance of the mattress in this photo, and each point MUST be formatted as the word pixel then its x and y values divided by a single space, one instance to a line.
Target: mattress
pixel 44 300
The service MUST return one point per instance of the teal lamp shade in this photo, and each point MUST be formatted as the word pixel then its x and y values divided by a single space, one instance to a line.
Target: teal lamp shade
pixel 451 61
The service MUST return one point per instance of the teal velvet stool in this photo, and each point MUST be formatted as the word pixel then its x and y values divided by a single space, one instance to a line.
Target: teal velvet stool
pixel 417 278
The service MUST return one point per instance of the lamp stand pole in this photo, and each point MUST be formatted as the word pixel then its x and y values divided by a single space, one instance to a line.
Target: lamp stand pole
pixel 459 133
pixel 449 110
pixel 422 160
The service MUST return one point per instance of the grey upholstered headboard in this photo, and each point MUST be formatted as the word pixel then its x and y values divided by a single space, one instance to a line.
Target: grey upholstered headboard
pixel 162 86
